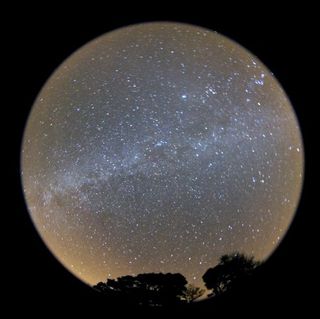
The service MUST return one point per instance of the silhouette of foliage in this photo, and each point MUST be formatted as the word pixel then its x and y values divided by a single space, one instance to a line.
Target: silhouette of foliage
pixel 192 293
pixel 230 270
pixel 146 289
pixel 171 290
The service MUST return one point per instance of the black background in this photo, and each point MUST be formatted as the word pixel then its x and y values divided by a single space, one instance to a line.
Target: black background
pixel 38 39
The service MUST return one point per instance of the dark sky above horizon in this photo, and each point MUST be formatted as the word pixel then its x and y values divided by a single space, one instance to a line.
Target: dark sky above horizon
pixel 158 148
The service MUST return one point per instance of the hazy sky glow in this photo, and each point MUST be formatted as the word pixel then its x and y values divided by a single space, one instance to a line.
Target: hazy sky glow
pixel 158 148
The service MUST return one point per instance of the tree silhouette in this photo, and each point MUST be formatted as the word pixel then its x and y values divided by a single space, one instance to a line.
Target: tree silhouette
pixel 231 269
pixel 146 289
pixel 192 293
pixel 159 290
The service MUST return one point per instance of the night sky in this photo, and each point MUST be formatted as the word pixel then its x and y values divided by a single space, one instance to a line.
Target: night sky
pixel 158 148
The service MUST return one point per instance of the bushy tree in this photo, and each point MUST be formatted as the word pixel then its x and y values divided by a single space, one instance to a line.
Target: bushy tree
pixel 146 289
pixel 192 293
pixel 230 270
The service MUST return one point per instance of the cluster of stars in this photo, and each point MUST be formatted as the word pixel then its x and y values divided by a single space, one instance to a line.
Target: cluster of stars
pixel 160 147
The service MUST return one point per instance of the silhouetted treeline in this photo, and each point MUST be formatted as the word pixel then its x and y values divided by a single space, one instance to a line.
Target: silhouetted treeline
pixel 168 290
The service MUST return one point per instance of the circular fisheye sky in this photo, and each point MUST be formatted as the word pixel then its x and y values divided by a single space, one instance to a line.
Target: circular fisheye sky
pixel 159 147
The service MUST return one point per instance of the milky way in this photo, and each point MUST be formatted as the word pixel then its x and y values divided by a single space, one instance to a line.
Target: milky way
pixel 158 148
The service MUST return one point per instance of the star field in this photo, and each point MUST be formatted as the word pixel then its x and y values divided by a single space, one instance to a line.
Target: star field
pixel 160 147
